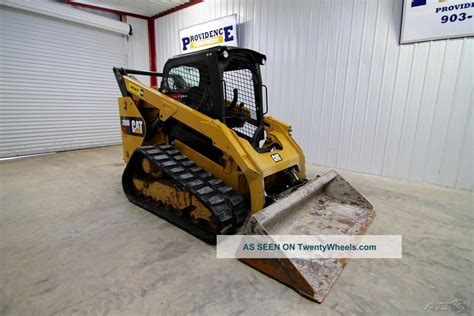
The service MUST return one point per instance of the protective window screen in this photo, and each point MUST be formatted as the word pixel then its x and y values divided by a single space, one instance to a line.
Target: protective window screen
pixel 191 83
pixel 183 77
pixel 242 80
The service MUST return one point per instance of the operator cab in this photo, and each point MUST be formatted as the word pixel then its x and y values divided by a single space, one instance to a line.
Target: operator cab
pixel 222 82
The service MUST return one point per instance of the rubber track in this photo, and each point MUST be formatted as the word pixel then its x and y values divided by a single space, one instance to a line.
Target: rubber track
pixel 227 205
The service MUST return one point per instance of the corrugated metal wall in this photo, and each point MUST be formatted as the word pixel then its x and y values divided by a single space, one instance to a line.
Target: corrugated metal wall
pixel 57 89
pixel 138 53
pixel 356 98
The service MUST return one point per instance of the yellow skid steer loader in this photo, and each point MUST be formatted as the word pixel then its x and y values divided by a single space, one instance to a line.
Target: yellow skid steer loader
pixel 202 154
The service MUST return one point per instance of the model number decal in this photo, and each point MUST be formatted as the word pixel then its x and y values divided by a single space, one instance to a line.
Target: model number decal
pixel 276 157
pixel 136 90
pixel 132 126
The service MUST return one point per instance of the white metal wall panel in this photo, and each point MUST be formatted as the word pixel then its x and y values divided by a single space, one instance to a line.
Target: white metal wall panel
pixel 57 89
pixel 356 98
pixel 138 54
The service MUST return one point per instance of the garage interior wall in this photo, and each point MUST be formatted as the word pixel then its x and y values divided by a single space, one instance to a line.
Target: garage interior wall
pixel 357 100
pixel 57 88
pixel 138 56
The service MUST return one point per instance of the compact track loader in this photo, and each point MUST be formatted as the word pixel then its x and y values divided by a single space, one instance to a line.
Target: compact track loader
pixel 202 154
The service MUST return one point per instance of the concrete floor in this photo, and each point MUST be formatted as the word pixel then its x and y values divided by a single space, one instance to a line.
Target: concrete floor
pixel 70 242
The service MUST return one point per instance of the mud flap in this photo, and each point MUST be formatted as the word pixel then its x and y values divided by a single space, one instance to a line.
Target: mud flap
pixel 327 205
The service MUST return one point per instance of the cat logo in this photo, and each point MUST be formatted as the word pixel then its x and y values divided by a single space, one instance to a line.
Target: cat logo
pixel 276 157
pixel 137 127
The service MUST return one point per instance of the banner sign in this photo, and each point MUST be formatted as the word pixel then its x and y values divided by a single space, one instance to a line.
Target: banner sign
pixel 426 20
pixel 309 246
pixel 221 31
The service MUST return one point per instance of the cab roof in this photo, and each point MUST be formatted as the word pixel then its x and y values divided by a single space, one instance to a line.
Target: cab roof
pixel 230 49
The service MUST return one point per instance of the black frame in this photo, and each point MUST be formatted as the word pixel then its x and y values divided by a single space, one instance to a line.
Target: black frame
pixel 217 59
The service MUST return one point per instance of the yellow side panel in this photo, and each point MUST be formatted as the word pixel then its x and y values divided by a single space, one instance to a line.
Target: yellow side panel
pixel 132 125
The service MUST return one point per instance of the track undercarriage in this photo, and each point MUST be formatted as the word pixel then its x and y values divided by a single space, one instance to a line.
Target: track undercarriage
pixel 165 182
